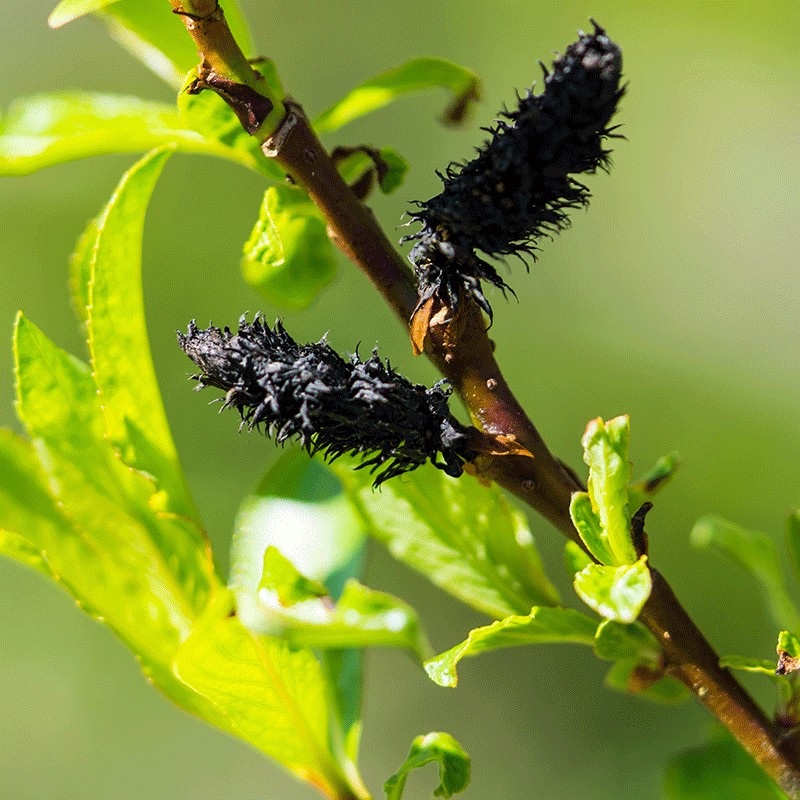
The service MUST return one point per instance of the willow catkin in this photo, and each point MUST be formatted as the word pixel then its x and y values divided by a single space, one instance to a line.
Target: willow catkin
pixel 519 186
pixel 331 405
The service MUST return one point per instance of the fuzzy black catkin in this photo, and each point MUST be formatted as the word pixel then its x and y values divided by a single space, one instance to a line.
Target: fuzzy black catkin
pixel 331 405
pixel 519 187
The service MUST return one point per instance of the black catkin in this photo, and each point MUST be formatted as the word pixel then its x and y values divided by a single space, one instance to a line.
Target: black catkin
pixel 333 406
pixel 518 187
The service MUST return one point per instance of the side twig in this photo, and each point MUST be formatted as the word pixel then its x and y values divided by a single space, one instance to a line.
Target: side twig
pixel 463 352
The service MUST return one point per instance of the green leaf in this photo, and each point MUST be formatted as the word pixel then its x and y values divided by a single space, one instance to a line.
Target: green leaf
pixel 123 563
pixel 541 626
pixel 605 450
pixel 720 769
pixel 749 664
pixel 757 554
pixel 631 677
pixel 575 559
pixel 441 748
pixel 281 578
pixel 289 258
pixel 389 166
pixel 209 115
pixel 463 536
pixel 299 508
pixel 80 270
pixel 69 10
pixel 133 414
pixel 617 593
pixel 416 75
pixel 147 593
pixel 43 130
pixel 361 618
pixel 149 32
pixel 789 643
pixel 589 527
pixel 618 642
pixel 653 481
pixel 265 692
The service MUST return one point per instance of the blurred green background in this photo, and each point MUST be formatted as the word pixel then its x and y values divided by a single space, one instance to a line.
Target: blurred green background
pixel 674 298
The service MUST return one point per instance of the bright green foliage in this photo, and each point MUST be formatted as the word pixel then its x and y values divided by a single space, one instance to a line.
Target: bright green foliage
pixel 210 116
pixel 626 676
pixel 43 130
pixel 282 579
pixel 463 536
pixel 575 559
pixel 756 552
pixel 605 450
pixel 358 163
pixel 616 593
pixel 268 693
pixel 289 258
pixel 154 36
pixel 413 76
pixel 590 528
pixel 122 368
pixel 618 642
pixel 720 769
pixel 441 748
pixel 361 617
pixel 653 481
pixel 300 510
pixel 747 664
pixel 99 504
pixel 789 643
pixel 541 626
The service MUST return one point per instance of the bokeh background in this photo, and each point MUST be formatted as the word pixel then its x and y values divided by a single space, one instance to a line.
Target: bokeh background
pixel 674 298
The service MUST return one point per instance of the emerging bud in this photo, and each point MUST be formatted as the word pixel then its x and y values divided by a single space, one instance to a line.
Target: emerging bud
pixel 331 405
pixel 519 187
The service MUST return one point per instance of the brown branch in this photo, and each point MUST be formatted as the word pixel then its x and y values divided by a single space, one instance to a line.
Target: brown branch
pixel 464 353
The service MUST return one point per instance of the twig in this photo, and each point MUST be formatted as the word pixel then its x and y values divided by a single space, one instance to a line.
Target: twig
pixel 463 352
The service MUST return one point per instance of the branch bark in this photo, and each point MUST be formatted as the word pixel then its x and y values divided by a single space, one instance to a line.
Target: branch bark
pixel 466 357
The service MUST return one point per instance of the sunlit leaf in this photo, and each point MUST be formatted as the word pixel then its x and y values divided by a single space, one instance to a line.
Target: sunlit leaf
pixel 589 527
pixel 43 130
pixel 69 10
pixel 299 509
pixel 632 677
pixel 386 164
pixel 757 554
pixel 541 626
pixel 147 30
pixel 653 481
pixel 617 593
pixel 618 642
pixel 122 563
pixel 362 617
pixel 413 76
pixel 444 750
pixel 575 559
pixel 266 693
pixel 283 580
pixel 133 414
pixel 605 450
pixel 720 769
pixel 463 536
pixel 289 258
pixel 209 115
